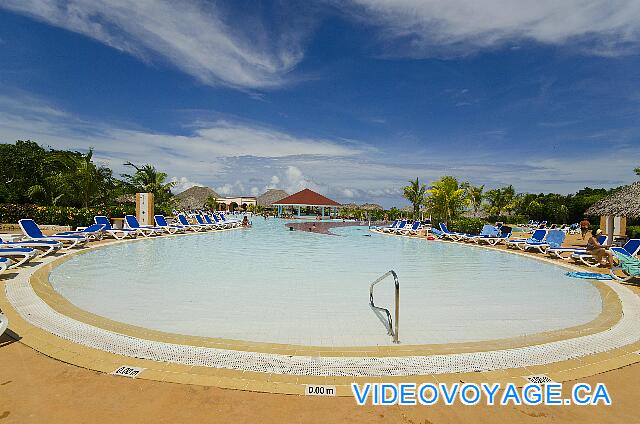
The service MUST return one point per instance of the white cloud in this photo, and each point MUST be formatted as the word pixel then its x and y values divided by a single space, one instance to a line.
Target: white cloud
pixel 196 37
pixel 443 28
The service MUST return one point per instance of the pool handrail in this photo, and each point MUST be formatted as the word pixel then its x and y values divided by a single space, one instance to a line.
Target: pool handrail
pixel 392 332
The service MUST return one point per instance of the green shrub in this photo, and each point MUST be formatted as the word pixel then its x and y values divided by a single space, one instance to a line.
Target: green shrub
pixel 60 215
pixel 466 225
pixel 633 231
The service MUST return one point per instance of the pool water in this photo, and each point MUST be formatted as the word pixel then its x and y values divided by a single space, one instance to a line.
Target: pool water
pixel 269 284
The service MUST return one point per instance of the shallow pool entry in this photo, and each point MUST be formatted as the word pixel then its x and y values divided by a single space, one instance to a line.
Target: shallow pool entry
pixel 269 284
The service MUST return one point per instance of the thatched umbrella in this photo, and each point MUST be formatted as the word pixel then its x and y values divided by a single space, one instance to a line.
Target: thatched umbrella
pixel 271 196
pixel 195 197
pixel 624 202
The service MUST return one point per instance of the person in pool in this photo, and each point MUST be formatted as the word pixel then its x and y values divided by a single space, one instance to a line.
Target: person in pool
pixel 597 250
pixel 245 222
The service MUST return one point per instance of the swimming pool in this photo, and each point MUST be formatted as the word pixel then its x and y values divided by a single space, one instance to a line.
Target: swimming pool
pixel 267 284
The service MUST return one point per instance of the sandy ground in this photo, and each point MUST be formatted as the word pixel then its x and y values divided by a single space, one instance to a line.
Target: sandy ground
pixel 37 389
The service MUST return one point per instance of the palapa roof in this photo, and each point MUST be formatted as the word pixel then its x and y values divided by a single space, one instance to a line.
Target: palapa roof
pixel 307 197
pixel 195 197
pixel 272 195
pixel 624 202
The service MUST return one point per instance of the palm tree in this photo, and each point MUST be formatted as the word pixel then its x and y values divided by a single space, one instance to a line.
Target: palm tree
pixel 637 170
pixel 147 179
pixel 77 180
pixel 475 195
pixel 447 198
pixel 501 199
pixel 415 193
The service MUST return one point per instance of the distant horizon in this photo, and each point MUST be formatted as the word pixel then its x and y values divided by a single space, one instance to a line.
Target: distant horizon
pixel 352 99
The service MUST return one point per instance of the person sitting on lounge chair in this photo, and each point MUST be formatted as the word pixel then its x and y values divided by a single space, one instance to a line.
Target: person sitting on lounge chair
pixel 598 251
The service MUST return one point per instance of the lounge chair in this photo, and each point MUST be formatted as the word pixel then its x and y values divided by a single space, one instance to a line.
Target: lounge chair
pixel 216 222
pixel 200 220
pixel 116 233
pixel 233 221
pixel 4 264
pixel 392 226
pixel 631 248
pixel 557 252
pixel 33 232
pixel 628 266
pixel 193 227
pixel 449 234
pixel 4 322
pixel 18 255
pixel 554 238
pixel 46 247
pixel 537 236
pixel 171 229
pixel 144 230
pixel 400 226
pixel 505 234
pixel 415 227
pixel 92 232
pixel 487 231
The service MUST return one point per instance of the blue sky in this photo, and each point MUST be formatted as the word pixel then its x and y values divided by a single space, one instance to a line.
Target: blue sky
pixel 351 98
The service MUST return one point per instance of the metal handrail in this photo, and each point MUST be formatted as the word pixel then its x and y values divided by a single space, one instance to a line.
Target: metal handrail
pixel 392 332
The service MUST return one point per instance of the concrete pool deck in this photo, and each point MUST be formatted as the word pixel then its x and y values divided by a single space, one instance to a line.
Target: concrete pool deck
pixel 105 362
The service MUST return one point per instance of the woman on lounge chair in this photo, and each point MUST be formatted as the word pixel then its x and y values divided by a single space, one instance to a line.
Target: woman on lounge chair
pixel 597 250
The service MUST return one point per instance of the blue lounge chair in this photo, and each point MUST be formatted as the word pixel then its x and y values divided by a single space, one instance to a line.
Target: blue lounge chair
pixel 487 231
pixel 554 238
pixel 171 229
pixel 448 234
pixel 193 227
pixel 92 232
pixel 216 222
pixel 33 232
pixel 200 220
pixel 116 233
pixel 18 255
pixel 631 248
pixel 144 230
pixel 505 234
pixel 415 227
pixel 4 264
pixel 233 221
pixel 393 225
pixel 46 247
pixel 557 252
pixel 400 226
pixel 537 236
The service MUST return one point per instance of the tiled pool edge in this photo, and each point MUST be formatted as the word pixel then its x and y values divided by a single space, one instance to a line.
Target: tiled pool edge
pixel 281 379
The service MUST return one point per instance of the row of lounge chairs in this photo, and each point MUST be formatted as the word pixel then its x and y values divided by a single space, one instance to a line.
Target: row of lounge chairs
pixel 550 242
pixel 403 227
pixel 33 243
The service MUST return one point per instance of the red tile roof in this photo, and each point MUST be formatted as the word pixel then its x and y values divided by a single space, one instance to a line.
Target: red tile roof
pixel 307 197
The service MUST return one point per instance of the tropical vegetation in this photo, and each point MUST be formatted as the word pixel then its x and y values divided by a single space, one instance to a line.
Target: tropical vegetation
pixel 62 186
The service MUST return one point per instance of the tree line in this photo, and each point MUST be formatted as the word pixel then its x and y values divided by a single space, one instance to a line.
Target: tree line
pixel 32 174
pixel 447 199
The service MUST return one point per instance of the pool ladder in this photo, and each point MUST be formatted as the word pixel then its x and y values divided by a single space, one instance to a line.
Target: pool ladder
pixel 392 332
